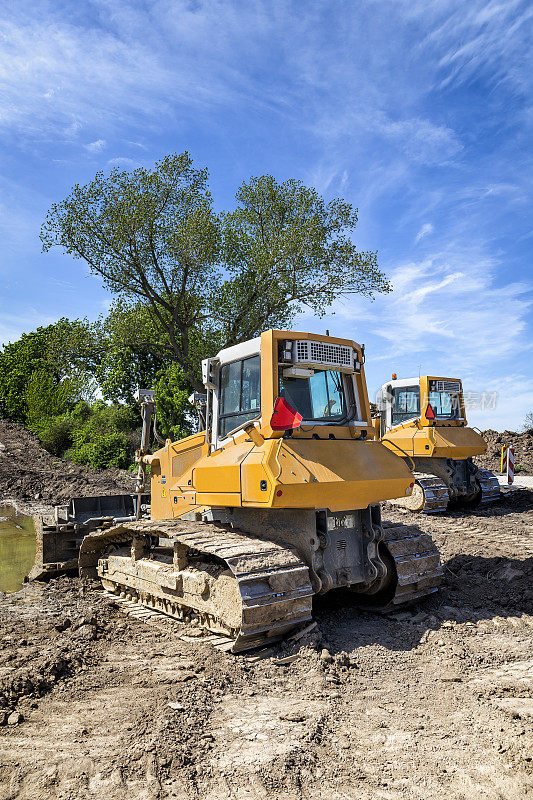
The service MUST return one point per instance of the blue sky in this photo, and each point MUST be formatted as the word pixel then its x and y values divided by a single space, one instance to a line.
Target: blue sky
pixel 418 113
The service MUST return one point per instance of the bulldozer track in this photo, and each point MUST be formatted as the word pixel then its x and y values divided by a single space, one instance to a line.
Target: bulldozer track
pixel 490 488
pixel 417 561
pixel 156 619
pixel 436 494
pixel 430 495
pixel 274 589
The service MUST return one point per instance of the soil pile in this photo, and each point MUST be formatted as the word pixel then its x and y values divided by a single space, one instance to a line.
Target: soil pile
pixel 28 472
pixel 523 450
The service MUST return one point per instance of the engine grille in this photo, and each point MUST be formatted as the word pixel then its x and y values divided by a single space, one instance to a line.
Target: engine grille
pixel 330 355
pixel 184 461
pixel 447 386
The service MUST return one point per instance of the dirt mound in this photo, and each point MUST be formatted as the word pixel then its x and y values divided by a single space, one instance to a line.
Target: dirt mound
pixel 29 473
pixel 523 450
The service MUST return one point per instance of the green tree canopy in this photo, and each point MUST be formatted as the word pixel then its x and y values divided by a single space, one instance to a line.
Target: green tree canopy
pixel 207 280
pixel 133 354
pixel 136 357
pixel 152 236
pixel 55 363
pixel 286 249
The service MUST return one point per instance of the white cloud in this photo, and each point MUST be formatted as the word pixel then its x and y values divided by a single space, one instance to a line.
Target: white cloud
pixel 449 314
pixel 96 146
pixel 501 401
pixel 133 61
pixel 478 39
pixel 132 64
pixel 426 229
pixel 450 306
pixel 420 139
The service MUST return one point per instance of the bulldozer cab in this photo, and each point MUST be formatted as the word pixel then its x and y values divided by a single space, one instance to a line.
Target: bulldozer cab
pixel 428 400
pixel 319 379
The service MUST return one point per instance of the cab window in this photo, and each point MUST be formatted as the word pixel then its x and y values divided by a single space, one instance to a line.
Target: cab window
pixel 405 404
pixel 240 394
pixel 445 405
pixel 323 397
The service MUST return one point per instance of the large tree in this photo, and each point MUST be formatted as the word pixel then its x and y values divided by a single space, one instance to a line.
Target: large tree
pixel 210 280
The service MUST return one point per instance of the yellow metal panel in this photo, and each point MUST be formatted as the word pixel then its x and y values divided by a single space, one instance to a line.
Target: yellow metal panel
pixel 158 504
pixel 195 440
pixel 221 471
pixel 401 441
pixel 340 496
pixel 218 499
pixel 163 473
pixel 269 376
pixel 439 441
pixel 185 502
pixel 294 469
pixel 350 474
pixel 458 442
pixel 217 478
pixel 344 460
pixel 362 390
pixel 252 473
pixel 184 460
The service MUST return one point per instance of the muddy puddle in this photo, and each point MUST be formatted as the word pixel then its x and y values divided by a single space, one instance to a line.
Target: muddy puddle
pixel 17 548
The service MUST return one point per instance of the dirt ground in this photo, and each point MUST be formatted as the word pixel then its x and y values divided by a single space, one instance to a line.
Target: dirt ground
pixel 431 702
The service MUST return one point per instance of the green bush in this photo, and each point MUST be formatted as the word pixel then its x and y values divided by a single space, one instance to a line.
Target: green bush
pixel 99 435
pixel 49 377
pixel 109 450
pixel 46 399
pixel 55 433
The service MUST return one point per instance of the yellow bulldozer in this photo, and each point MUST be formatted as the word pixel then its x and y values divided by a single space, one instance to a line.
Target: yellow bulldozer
pixel 423 420
pixel 274 499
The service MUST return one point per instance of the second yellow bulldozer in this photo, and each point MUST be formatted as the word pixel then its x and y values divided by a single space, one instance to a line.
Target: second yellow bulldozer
pixel 424 421
pixel 274 500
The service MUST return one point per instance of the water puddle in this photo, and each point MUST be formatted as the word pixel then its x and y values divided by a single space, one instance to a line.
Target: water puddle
pixel 17 548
